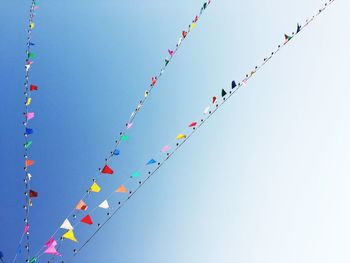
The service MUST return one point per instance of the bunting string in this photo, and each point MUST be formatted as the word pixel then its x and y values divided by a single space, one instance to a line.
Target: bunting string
pixel 168 150
pixel 28 115
pixel 123 135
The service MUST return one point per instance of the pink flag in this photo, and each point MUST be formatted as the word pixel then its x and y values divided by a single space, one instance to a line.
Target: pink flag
pixel 26 228
pixel 52 250
pixel 129 125
pixel 165 148
pixel 51 243
pixel 30 115
pixel 171 53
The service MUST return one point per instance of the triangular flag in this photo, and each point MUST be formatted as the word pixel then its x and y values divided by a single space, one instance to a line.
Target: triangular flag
pixel 27 144
pixel 33 260
pixel 67 225
pixel 31 25
pixel 135 174
pixel 29 131
pixel 29 176
pixel 122 189
pixel 165 148
pixel 152 161
pixel 287 38
pixel 233 84
pixel 206 110
pixel 181 136
pixel 30 115
pixel 223 93
pixel 104 204
pixel 298 28
pixel 193 124
pixel 31 55
pixel 95 188
pixel 184 34
pixel 124 137
pixel 29 100
pixel 33 87
pixel 29 163
pixel 107 170
pixel 167 61
pixel 146 93
pixel 52 251
pixel 193 25
pixel 81 206
pixel 154 80
pixel 171 52
pixel 116 152
pixel 33 194
pixel 86 220
pixel 51 242
pixel 26 228
pixel 214 100
pixel 70 235
pixel 129 125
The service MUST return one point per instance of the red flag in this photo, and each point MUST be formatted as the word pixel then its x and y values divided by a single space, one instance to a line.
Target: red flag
pixel 214 99
pixel 107 170
pixel 87 220
pixel 193 124
pixel 28 163
pixel 33 87
pixel 184 34
pixel 33 194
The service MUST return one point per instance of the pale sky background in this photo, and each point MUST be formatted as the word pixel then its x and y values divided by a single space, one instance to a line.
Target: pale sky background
pixel 265 181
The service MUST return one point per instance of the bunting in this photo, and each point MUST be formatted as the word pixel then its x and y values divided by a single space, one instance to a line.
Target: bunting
pixel 217 102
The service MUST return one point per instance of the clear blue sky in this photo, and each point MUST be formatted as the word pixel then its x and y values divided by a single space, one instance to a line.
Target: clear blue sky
pixel 265 181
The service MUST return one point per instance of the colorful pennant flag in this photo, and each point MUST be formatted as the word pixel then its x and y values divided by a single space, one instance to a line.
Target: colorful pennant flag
pixel 33 88
pixel 86 220
pixel 233 84
pixel 27 144
pixel 165 148
pixel 33 194
pixel 206 110
pixel 107 170
pixel 70 235
pixel 104 205
pixel 26 228
pixel 152 161
pixel 81 206
pixel 223 93
pixel 29 100
pixel 193 124
pixel 29 131
pixel 52 251
pixel 122 189
pixel 116 152
pixel 30 115
pixel 181 136
pixel 135 174
pixel 95 188
pixel 28 163
pixel 51 242
pixel 67 225
pixel 124 137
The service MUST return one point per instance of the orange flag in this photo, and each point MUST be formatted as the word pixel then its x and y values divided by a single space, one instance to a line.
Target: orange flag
pixel 122 189
pixel 81 206
pixel 29 163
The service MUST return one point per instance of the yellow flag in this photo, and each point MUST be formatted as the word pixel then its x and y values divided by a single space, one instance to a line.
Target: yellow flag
pixel 181 136
pixel 146 93
pixel 95 188
pixel 70 235
pixel 29 100
pixel 193 25
pixel 31 25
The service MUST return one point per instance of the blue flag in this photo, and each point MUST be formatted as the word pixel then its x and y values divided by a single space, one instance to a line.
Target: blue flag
pixel 152 161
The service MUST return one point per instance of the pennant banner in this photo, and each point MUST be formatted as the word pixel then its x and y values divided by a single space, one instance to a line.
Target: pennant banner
pixel 215 102
pixel 29 88
pixel 181 138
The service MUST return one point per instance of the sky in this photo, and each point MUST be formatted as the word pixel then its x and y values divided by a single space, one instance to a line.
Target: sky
pixel 265 180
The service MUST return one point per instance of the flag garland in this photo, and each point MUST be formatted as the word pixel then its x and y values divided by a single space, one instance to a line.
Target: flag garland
pixel 184 137
pixel 123 137
pixel 28 131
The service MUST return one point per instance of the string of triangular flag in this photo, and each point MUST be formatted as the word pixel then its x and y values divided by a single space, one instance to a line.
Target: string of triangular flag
pixel 29 89
pixel 216 103
pixel 123 137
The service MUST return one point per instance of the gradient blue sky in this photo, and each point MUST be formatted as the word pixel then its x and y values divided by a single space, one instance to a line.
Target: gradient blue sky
pixel 265 181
